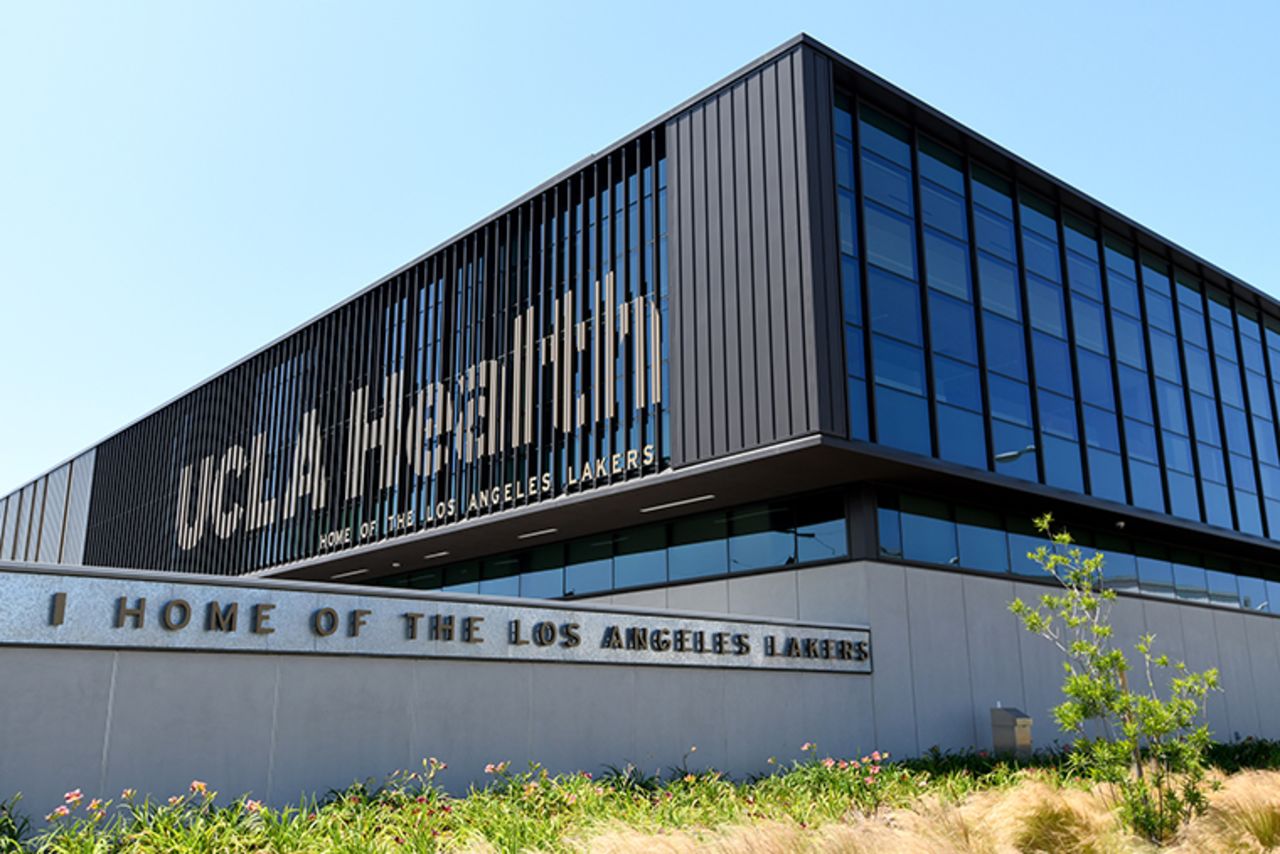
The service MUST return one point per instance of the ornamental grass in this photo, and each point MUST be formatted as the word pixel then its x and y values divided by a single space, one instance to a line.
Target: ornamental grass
pixel 965 802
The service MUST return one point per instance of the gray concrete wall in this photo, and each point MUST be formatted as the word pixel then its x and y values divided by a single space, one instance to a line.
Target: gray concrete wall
pixel 947 649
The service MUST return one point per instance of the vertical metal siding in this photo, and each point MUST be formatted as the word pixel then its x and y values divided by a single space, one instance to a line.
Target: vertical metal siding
pixel 757 354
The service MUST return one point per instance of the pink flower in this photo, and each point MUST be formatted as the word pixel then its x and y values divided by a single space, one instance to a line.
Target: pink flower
pixel 586 774
pixel 61 810
pixel 252 806
pixel 829 762
pixel 843 765
pixel 875 756
pixel 571 798
pixel 875 769
pixel 174 800
pixel 199 786
pixel 95 804
pixel 73 797
pixel 128 794
pixel 868 780
pixel 807 746
pixel 489 768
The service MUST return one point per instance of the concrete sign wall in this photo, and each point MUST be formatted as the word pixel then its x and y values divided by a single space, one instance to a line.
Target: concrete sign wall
pixel 147 681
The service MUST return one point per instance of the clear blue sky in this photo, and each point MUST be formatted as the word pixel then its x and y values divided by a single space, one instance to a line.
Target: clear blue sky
pixel 182 182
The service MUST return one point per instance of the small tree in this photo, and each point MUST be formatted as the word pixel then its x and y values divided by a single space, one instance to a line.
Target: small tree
pixel 1150 750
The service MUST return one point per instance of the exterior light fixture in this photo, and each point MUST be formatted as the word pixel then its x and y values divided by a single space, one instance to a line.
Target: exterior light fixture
pixel 348 574
pixel 1010 456
pixel 435 555
pixel 655 508
pixel 539 533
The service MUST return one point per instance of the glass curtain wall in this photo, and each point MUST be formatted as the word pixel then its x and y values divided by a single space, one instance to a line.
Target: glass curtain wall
pixel 988 326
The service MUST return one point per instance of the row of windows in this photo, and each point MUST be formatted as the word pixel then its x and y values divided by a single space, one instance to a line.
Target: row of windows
pixel 987 327
pixel 753 537
pixel 916 528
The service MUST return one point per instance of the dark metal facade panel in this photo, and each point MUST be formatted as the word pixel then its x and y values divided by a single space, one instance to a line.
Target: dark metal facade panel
pixel 758 341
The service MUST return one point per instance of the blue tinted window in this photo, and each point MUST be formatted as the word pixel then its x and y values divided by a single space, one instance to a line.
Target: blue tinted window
pixel 895 306
pixel 1124 294
pixel 1006 351
pixel 1106 474
pixel 1192 323
pixel 1229 390
pixel 1190 582
pixel 1259 401
pixel 1177 452
pixel 897 365
pixel 957 383
pixel 1147 489
pixel 1091 324
pixel 698 547
pixel 858 426
pixel 1141 440
pixel 994 234
pixel 1062 463
pixel 508 586
pixel 942 209
pixel 1242 473
pixel 960 437
pixel 887 183
pixel 1100 429
pixel 1120 570
pixel 1217 504
pixel 1164 355
pixel 1211 465
pixel 761 536
pixel 1253 593
pixel 640 556
pixel 928 534
pixel 902 420
pixel 947 264
pixel 884 136
pixel 848 216
pixel 1135 393
pixel 1044 301
pixel 844 123
pixel 1020 546
pixel 1199 372
pixel 941 165
pixel 889 531
pixel 953 330
pixel 1223 588
pixel 1057 414
pixel 1041 255
pixel 890 240
pixel 590 566
pixel 542 584
pixel 982 541
pixel 1204 414
pixel 1264 438
pixel 999 283
pixel 852 288
pixel 1129 340
pixel 1248 513
pixel 1095 378
pixel 1008 439
pixel 1237 424
pixel 1173 409
pixel 1183 498
pixel 1160 311
pixel 855 357
pixel 1155 576
pixel 992 191
pixel 1080 238
pixel 820 529
pixel 844 163
pixel 1083 275
pixel 1009 400
pixel 1053 363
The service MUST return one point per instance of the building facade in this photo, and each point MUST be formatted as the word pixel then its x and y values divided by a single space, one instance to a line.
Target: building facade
pixel 801 347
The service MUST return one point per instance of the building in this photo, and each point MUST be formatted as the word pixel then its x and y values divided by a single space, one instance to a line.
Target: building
pixel 802 347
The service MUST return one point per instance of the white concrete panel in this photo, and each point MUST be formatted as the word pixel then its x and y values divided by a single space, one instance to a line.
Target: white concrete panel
pixel 468 715
pixel 892 696
pixel 582 716
pixel 654 598
pixel 209 716
pixel 341 720
pixel 770 594
pixel 1041 664
pixel 1237 673
pixel 1262 634
pixel 672 709
pixel 1164 620
pixel 53 716
pixel 833 594
pixel 995 663
pixel 1200 641
pixel 710 597
pixel 940 659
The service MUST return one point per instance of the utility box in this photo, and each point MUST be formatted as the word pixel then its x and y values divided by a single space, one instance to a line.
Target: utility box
pixel 1011 732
